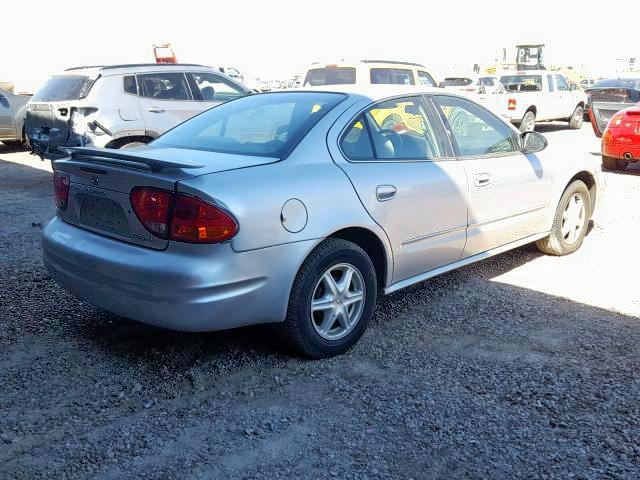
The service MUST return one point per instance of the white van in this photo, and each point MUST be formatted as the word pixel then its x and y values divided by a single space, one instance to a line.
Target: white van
pixel 368 72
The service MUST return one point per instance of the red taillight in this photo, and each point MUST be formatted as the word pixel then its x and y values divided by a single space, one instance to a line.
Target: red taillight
pixel 180 217
pixel 152 206
pixel 61 189
pixel 197 221
pixel 512 104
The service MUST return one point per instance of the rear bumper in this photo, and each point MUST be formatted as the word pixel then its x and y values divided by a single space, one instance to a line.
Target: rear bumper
pixel 618 150
pixel 186 287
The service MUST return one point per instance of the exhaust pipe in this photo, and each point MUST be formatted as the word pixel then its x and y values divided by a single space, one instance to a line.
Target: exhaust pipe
pixel 628 156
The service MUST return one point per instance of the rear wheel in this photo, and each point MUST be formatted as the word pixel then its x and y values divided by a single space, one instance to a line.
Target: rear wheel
pixel 570 221
pixel 528 123
pixel 575 122
pixel 332 300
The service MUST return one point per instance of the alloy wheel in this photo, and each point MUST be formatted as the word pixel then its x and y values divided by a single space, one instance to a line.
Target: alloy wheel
pixel 337 301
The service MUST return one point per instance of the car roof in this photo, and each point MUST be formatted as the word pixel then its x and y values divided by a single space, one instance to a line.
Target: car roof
pixel 530 72
pixel 373 92
pixel 372 63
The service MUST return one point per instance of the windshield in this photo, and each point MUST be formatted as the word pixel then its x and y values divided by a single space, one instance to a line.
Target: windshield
pixel 618 82
pixel 522 83
pixel 268 125
pixel 61 88
pixel 457 82
pixel 330 76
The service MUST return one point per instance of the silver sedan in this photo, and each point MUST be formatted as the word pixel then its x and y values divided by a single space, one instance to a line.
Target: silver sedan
pixel 299 208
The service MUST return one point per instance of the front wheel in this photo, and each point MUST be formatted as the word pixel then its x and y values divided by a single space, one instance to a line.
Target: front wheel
pixel 332 300
pixel 575 122
pixel 569 223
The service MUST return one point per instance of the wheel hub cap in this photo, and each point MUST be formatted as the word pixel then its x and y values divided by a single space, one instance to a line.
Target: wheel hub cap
pixel 573 219
pixel 338 301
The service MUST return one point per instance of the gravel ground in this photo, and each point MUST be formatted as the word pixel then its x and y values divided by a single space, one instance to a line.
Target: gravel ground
pixel 522 366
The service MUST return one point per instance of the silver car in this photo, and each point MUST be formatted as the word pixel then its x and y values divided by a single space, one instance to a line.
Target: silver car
pixel 12 112
pixel 299 207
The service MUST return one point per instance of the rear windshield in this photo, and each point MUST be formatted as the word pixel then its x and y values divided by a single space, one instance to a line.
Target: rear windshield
pixel 457 82
pixel 522 83
pixel 618 82
pixel 330 76
pixel 268 125
pixel 61 88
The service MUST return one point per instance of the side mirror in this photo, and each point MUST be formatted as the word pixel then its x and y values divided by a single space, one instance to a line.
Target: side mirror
pixel 533 142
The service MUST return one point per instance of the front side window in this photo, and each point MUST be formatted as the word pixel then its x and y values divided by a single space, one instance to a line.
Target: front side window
pixel 562 84
pixel 392 76
pixel 209 87
pixel 425 79
pixel 475 130
pixel 399 129
pixel 330 76
pixel 268 125
pixel 165 86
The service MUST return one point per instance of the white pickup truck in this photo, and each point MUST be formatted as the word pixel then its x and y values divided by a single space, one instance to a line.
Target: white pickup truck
pixel 537 96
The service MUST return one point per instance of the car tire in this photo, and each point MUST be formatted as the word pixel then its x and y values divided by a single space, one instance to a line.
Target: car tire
pixel 320 332
pixel 576 120
pixel 613 164
pixel 569 225
pixel 528 123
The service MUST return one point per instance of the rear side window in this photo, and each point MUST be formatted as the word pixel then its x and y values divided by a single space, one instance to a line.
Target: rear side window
pixel 61 88
pixel 425 79
pixel 356 143
pixel 165 86
pixel 268 125
pixel 130 84
pixel 209 87
pixel 392 76
pixel 330 76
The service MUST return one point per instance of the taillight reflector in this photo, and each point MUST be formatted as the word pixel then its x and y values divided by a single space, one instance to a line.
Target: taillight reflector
pixel 61 189
pixel 512 104
pixel 182 218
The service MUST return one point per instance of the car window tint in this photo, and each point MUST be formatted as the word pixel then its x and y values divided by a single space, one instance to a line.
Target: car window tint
pixel 356 143
pixel 562 84
pixel 265 125
pixel 330 76
pixel 130 85
pixel 394 76
pixel 476 130
pixel 165 86
pixel 425 79
pixel 522 83
pixel 400 129
pixel 210 87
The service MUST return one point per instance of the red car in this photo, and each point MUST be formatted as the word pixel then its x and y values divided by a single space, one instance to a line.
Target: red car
pixel 615 117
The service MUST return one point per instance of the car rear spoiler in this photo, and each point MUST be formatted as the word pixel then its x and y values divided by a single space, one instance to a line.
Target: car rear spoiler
pixel 138 161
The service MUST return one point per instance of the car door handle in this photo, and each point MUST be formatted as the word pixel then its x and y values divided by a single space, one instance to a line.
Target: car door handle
pixel 482 179
pixel 385 192
pixel 155 109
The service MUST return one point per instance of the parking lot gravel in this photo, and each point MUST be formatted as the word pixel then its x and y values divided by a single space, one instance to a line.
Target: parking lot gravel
pixel 522 366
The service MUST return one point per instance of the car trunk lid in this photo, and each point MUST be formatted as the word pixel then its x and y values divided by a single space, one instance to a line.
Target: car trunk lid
pixel 101 181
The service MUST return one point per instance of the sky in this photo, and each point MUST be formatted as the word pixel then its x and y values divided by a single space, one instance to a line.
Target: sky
pixel 278 38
